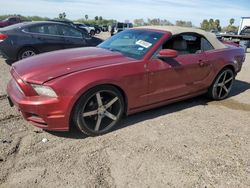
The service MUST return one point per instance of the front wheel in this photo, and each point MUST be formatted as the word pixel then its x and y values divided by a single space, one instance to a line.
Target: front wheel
pixel 98 110
pixel 222 85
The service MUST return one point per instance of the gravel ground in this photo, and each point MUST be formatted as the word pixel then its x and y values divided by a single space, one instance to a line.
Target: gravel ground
pixel 194 143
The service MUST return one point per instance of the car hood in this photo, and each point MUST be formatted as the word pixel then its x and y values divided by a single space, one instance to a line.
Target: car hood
pixel 44 67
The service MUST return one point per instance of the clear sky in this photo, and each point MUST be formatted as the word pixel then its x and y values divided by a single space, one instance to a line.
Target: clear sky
pixel 172 10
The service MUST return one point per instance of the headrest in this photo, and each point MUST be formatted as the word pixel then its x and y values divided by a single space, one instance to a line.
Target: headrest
pixel 180 45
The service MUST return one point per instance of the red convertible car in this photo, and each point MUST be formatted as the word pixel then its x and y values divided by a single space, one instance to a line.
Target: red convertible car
pixel 135 70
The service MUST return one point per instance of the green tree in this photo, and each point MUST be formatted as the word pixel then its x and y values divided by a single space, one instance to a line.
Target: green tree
pixel 211 21
pixel 62 15
pixel 231 27
pixel 231 21
pixel 210 24
pixel 96 18
pixel 100 18
pixel 139 22
pixel 217 24
pixel 205 25
pixel 154 21
pixel 183 23
pixel 86 17
pixel 93 21
pixel 165 22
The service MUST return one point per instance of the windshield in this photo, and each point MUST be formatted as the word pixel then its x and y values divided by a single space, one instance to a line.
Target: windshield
pixel 132 43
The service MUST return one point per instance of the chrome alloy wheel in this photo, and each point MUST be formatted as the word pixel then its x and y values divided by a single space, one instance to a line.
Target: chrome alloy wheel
pixel 223 84
pixel 27 53
pixel 101 111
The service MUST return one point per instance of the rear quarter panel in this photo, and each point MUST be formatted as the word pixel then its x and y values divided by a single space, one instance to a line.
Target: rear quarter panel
pixel 220 58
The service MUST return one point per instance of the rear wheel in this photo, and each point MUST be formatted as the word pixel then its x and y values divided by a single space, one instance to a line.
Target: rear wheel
pixel 26 52
pixel 92 33
pixel 98 110
pixel 222 85
pixel 98 31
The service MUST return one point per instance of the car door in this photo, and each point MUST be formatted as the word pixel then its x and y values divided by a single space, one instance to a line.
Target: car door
pixel 197 70
pixel 46 37
pixel 194 60
pixel 72 37
pixel 171 78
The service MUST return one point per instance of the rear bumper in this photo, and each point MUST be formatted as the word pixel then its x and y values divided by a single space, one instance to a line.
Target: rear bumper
pixel 8 51
pixel 43 112
pixel 2 54
pixel 8 60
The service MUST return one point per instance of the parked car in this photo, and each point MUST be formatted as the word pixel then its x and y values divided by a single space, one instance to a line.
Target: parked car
pixel 231 33
pixel 10 21
pixel 214 31
pixel 227 42
pixel 245 31
pixel 90 29
pixel 118 27
pixel 135 70
pixel 27 39
pixel 98 29
pixel 105 28
pixel 70 23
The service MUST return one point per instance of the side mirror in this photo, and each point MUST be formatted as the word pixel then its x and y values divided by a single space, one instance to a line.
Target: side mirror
pixel 167 53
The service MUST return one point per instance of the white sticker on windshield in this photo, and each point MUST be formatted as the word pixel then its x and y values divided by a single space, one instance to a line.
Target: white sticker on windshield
pixel 143 43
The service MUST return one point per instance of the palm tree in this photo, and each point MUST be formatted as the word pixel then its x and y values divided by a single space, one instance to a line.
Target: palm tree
pixel 64 15
pixel 86 17
pixel 231 21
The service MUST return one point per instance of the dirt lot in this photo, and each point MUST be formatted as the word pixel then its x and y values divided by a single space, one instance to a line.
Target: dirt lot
pixel 195 143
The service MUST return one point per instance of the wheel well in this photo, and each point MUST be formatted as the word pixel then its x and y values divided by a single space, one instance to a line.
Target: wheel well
pixel 117 87
pixel 125 99
pixel 230 67
pixel 25 47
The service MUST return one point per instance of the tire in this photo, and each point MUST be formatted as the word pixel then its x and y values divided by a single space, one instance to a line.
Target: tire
pixel 26 52
pixel 222 85
pixel 98 110
pixel 98 31
pixel 92 33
